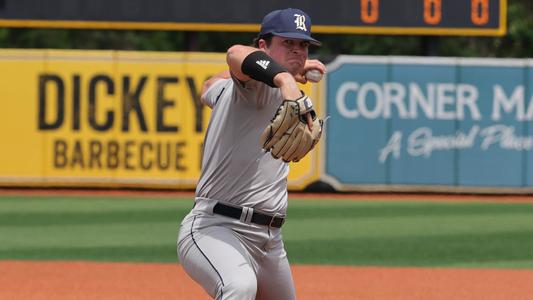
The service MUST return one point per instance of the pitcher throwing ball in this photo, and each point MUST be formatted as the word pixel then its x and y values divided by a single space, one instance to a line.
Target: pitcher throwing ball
pixel 231 243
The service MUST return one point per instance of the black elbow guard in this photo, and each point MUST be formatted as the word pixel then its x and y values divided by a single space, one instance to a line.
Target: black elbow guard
pixel 261 67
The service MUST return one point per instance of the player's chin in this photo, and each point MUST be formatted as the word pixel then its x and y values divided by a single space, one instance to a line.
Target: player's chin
pixel 295 68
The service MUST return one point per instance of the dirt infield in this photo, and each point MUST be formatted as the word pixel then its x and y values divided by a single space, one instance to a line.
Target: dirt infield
pixel 91 280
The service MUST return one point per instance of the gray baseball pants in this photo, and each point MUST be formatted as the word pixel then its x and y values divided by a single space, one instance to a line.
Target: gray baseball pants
pixel 232 259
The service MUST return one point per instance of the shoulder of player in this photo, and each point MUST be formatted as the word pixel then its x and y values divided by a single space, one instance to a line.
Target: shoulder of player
pixel 211 81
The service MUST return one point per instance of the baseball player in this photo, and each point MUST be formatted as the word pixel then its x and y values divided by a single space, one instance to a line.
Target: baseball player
pixel 230 243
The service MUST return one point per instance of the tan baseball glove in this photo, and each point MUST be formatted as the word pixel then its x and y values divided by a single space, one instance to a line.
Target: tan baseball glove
pixel 288 135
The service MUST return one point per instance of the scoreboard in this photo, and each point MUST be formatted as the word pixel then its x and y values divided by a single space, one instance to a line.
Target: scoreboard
pixel 413 17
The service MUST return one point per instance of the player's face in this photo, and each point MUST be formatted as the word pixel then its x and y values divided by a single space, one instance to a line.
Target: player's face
pixel 290 53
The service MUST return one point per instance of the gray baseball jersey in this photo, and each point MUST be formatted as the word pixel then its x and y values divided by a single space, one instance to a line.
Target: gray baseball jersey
pixel 234 167
pixel 231 258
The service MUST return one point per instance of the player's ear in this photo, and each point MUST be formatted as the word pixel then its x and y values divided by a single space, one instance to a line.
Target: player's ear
pixel 262 44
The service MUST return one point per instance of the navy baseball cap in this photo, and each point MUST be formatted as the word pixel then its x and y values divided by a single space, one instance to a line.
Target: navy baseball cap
pixel 289 23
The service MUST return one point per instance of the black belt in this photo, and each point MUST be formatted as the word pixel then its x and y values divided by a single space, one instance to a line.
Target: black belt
pixel 257 218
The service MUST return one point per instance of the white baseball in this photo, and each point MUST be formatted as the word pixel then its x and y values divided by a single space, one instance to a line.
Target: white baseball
pixel 313 75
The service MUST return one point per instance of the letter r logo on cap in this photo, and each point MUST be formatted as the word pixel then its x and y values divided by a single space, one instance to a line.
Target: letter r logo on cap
pixel 300 22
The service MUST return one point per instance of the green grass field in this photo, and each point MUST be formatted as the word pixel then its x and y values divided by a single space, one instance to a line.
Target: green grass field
pixel 340 232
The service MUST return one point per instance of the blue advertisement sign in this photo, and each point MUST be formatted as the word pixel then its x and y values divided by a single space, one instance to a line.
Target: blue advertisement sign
pixel 429 122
